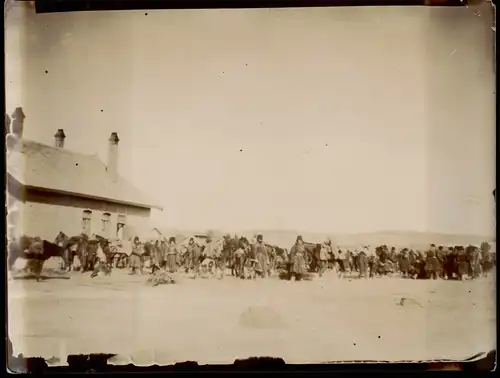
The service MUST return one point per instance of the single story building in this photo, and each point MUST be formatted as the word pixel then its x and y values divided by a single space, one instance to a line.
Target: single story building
pixel 52 189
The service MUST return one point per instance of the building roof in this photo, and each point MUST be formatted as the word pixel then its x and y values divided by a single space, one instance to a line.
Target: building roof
pixel 36 165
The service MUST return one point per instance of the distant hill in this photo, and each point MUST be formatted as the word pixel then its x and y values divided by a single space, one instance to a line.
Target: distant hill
pixel 391 238
pixel 286 238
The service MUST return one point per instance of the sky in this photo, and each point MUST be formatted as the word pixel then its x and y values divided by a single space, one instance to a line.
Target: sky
pixel 323 119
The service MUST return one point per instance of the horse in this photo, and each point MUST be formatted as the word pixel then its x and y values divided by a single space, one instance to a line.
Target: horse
pixel 35 250
pixel 70 246
pixel 105 245
pixel 229 247
pixel 103 256
pixel 86 250
pixel 22 247
pixel 82 252
pixel 312 255
pixel 62 240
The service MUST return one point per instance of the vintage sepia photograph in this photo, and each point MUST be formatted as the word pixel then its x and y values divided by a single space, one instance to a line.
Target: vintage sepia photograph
pixel 313 184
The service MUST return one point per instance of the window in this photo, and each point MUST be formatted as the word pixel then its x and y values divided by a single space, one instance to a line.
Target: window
pixel 87 222
pixel 106 217
pixel 120 226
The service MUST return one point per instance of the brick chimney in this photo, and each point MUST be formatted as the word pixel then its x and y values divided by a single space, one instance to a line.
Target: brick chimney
pixel 59 138
pixel 17 125
pixel 112 167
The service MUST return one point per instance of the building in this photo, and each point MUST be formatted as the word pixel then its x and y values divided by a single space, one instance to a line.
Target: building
pixel 52 189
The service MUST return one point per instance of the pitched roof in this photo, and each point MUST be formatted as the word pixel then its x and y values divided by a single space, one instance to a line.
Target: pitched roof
pixel 37 165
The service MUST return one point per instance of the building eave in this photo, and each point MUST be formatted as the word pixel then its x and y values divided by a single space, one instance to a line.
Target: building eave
pixel 87 196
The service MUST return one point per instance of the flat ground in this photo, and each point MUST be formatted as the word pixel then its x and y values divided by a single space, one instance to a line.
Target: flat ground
pixel 213 321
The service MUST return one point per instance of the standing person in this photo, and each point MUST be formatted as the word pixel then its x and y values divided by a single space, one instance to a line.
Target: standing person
pixel 371 258
pixel 261 256
pixel 208 255
pixel 172 252
pixel 194 253
pixel 239 260
pixel 332 260
pixel 136 256
pixel 354 260
pixel 164 249
pixel 404 263
pixel 157 256
pixel 431 263
pixel 363 262
pixel 298 260
pixel 324 254
pixel 440 257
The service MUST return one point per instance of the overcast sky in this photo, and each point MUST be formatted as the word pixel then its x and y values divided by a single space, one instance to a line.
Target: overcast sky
pixel 328 119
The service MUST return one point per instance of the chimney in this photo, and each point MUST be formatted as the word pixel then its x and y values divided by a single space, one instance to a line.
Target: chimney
pixel 59 138
pixel 17 125
pixel 112 167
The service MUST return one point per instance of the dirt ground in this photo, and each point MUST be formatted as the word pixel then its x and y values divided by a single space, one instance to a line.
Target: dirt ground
pixel 213 321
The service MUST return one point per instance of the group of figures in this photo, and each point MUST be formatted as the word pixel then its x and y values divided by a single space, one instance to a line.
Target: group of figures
pixel 452 262
pixel 249 259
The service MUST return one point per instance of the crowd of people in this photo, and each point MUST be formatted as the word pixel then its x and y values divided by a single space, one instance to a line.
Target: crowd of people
pixel 254 258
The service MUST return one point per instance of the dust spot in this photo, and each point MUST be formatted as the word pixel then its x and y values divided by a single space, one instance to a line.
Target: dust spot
pixel 145 14
pixel 241 150
pixel 76 164
pixel 102 110
pixel 46 71
pixel 354 344
pixel 261 317
pixel 408 302
pixel 379 337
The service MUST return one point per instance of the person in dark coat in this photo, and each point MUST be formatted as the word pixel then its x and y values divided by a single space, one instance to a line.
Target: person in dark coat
pixel 239 259
pixel 404 263
pixel 136 256
pixel 298 260
pixel 157 256
pixel 431 263
pixel 172 252
pixel 324 254
pixel 194 253
pixel 261 256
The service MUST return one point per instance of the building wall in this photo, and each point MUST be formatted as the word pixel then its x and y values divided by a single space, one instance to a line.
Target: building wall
pixel 45 214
